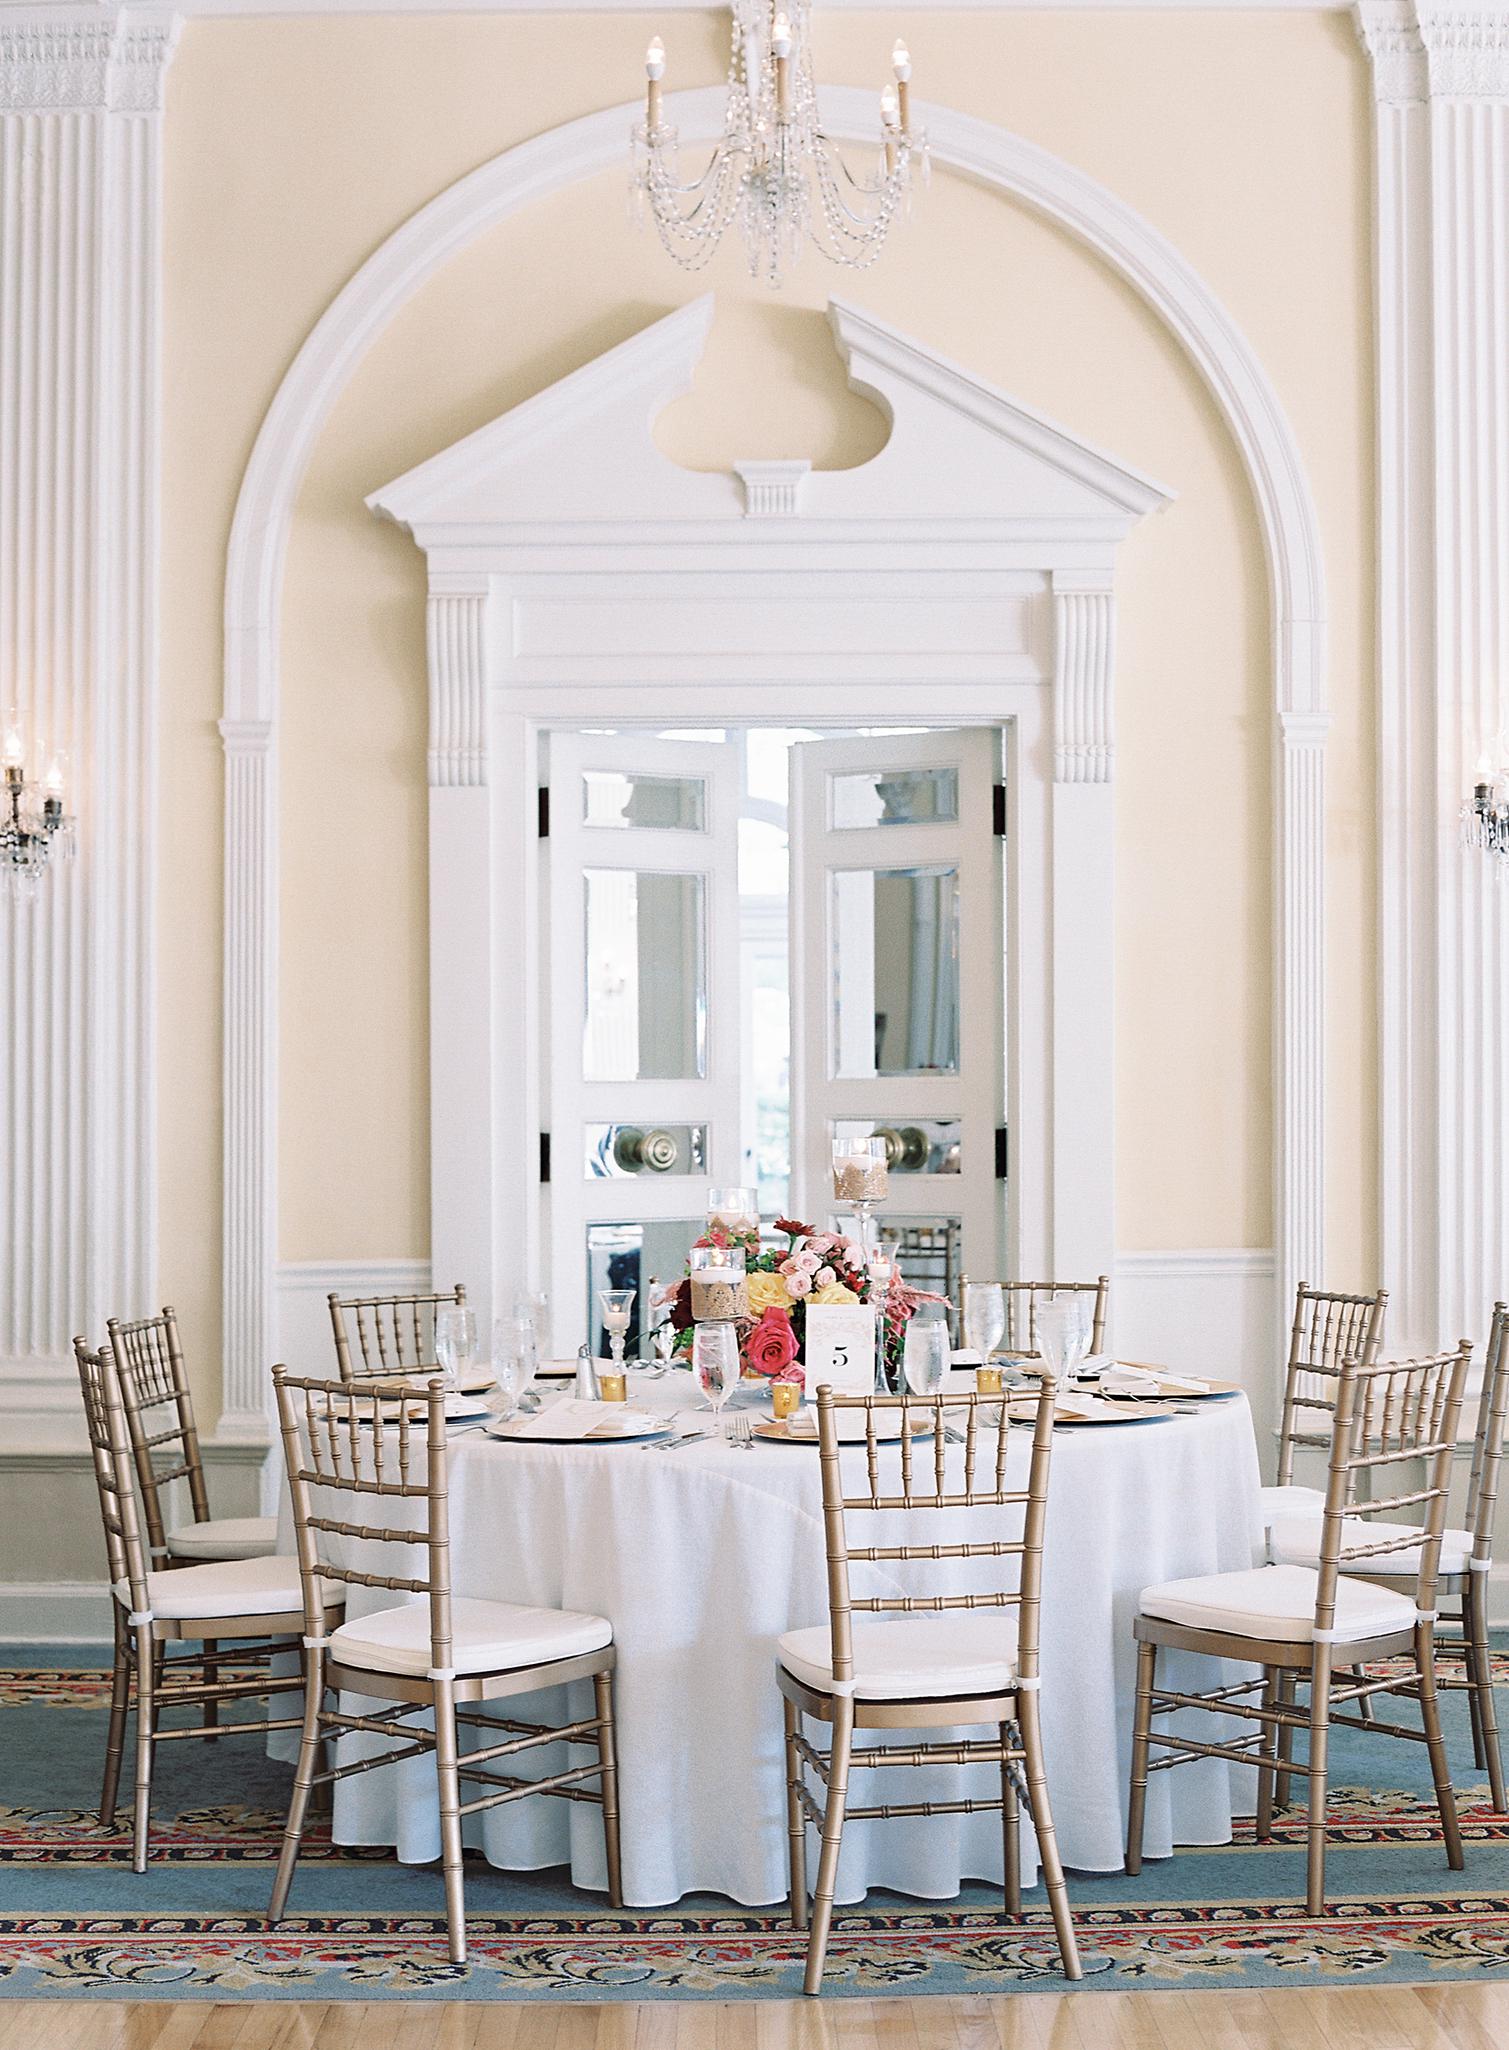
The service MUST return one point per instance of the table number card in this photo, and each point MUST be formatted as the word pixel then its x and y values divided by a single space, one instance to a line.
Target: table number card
pixel 839 1348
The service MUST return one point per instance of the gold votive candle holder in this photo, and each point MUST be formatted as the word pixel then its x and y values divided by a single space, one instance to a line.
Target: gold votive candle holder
pixel 987 1380
pixel 784 1398
pixel 612 1384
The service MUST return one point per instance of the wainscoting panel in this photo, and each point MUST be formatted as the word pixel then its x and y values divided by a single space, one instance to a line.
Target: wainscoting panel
pixel 1209 1313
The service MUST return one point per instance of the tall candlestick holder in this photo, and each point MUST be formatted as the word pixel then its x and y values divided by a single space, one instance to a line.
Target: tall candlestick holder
pixel 861 1179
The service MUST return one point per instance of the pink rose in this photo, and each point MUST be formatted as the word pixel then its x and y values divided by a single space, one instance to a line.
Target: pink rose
pixel 770 1347
pixel 793 1374
pixel 823 1276
pixel 808 1262
pixel 799 1284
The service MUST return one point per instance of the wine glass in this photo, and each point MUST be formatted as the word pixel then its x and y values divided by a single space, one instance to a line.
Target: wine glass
pixel 984 1317
pixel 715 1360
pixel 617 1308
pixel 516 1360
pixel 532 1306
pixel 1063 1335
pixel 926 1355
pixel 455 1342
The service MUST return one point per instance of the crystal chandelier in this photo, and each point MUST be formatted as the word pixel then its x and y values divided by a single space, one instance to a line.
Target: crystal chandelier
pixel 33 826
pixel 773 167
pixel 1485 820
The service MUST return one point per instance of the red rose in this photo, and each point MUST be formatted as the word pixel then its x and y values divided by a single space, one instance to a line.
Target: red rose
pixel 681 1308
pixel 771 1345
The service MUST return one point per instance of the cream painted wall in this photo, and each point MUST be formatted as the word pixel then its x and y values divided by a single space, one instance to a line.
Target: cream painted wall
pixel 294 147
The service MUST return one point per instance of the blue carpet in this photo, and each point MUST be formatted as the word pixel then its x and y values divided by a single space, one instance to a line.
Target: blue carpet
pixel 76 1922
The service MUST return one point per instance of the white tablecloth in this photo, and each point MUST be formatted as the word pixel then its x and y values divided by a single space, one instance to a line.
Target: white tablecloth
pixel 702 1557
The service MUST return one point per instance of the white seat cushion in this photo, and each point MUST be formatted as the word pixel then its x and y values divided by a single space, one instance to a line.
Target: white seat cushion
pixel 916 1657
pixel 228 1587
pixel 1289 1501
pixel 1277 1602
pixel 486 1637
pixel 225 1537
pixel 1296 1542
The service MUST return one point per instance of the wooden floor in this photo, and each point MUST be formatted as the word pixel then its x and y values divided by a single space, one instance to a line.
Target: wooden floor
pixel 1462 2017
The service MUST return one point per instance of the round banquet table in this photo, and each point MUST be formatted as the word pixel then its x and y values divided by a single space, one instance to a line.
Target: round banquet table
pixel 703 1556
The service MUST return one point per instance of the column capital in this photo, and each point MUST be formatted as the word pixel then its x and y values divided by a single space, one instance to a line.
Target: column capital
pixel 246 736
pixel 1436 49
pixel 76 60
pixel 1390 33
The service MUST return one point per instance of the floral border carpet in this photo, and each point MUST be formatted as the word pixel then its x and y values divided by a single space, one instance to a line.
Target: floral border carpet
pixel 75 1921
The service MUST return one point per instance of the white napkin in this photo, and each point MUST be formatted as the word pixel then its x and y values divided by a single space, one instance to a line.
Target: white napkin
pixel 1130 1381
pixel 573 1417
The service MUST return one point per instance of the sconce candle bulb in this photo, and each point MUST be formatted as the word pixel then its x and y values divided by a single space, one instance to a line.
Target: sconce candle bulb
pixel 33 824
pixel 1485 818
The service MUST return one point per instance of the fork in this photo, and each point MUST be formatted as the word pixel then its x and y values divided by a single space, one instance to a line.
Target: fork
pixel 741 1433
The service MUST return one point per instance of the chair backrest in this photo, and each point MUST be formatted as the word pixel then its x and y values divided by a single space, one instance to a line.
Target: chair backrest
pixel 941 1477
pixel 159 1414
pixel 379 1335
pixel 1488 1439
pixel 342 1439
pixel 110 1447
pixel 1390 1413
pixel 1327 1329
pixel 1023 1300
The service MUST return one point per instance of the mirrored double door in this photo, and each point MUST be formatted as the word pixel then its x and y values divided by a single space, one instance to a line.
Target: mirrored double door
pixel 896 982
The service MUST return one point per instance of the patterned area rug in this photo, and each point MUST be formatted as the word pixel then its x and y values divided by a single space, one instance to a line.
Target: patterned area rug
pixel 75 1921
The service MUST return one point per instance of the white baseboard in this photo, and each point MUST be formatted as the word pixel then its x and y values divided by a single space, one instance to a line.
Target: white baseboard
pixel 54 1612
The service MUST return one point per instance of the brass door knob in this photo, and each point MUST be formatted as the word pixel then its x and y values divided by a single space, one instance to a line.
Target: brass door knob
pixel 649 1152
pixel 906 1149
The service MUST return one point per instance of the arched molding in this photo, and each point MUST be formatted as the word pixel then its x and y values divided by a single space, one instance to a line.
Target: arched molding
pixel 415 252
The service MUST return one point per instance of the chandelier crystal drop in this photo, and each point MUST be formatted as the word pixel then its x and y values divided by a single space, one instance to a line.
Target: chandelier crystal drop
pixel 773 168
pixel 1485 818
pixel 33 824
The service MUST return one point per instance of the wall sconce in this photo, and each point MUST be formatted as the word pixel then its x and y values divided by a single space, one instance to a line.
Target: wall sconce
pixel 34 825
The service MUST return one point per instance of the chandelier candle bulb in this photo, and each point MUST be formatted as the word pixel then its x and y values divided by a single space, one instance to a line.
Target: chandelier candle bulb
pixel 780 43
pixel 889 115
pixel 901 64
pixel 654 71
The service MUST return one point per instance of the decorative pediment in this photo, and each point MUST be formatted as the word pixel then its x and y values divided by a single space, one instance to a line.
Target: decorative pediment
pixel 582 455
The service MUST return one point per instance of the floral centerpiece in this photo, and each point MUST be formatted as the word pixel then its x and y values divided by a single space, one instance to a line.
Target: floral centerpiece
pixel 813 1267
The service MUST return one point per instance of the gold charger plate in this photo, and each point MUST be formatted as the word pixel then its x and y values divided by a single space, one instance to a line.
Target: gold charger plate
pixel 1127 1412
pixel 1175 1391
pixel 778 1431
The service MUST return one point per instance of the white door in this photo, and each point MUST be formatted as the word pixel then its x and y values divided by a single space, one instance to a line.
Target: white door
pixel 898 986
pixel 643 1023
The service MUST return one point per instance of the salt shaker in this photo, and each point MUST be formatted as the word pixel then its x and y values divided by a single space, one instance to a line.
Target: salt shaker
pixel 586 1376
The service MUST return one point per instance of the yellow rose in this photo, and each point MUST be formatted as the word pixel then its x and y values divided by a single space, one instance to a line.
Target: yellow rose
pixel 769 1292
pixel 833 1292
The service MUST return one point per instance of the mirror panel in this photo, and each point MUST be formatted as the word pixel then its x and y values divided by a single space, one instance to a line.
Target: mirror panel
pixel 895 935
pixel 646 976
pixel 637 1256
pixel 653 803
pixel 893 797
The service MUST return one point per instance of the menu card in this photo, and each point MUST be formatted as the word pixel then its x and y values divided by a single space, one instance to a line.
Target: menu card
pixel 839 1349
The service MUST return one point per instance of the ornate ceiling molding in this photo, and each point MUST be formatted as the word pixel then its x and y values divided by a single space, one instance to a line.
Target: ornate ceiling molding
pixel 73 62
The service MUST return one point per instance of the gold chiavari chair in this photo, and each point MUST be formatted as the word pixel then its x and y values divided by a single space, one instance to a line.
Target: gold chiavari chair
pixel 1327 1329
pixel 435 1650
pixel 165 1446
pixel 1321 1625
pixel 937 1664
pixel 1465 1563
pixel 249 1602
pixel 377 1335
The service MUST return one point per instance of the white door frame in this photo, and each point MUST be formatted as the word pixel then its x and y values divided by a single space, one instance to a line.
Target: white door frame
pixel 961 577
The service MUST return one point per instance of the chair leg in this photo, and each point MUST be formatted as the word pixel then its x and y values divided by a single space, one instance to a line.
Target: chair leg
pixel 1474 1701
pixel 211 1674
pixel 1142 1723
pixel 1011 1832
pixel 1029 1723
pixel 796 1817
pixel 607 1758
pixel 1282 1785
pixel 115 1743
pixel 1320 1733
pixel 1435 1744
pixel 1266 1771
pixel 449 1782
pixel 310 1752
pixel 146 1733
pixel 1475 1630
pixel 1365 1706
pixel 833 1829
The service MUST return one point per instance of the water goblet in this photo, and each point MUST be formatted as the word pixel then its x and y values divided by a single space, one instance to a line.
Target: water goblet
pixel 715 1360
pixel 455 1343
pixel 617 1307
pixel 532 1306
pixel 925 1354
pixel 516 1360
pixel 1063 1335
pixel 984 1317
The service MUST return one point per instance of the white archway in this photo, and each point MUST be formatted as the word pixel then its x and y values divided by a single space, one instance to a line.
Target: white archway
pixel 253 607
